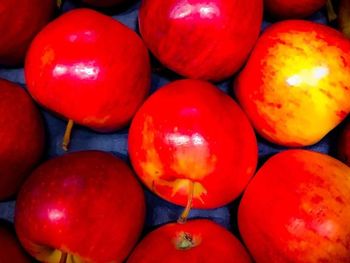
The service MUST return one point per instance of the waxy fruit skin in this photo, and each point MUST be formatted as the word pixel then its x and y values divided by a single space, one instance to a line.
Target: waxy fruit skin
pixel 295 87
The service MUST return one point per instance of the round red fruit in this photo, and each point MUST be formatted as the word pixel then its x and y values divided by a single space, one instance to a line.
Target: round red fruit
pixel 191 139
pixel 195 241
pixel 297 209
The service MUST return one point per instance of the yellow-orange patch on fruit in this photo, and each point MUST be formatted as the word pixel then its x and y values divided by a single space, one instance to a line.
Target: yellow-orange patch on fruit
pixel 47 57
pixel 152 167
pixel 327 202
pixel 306 86
pixel 95 120
pixel 194 162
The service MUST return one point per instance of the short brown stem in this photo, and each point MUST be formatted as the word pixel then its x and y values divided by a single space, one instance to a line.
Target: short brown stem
pixel 67 135
pixel 330 11
pixel 59 3
pixel 63 257
pixel 184 215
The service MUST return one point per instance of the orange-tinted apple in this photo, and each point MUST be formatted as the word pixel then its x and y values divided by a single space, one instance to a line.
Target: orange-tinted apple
pixel 297 209
pixel 80 207
pixel 189 139
pixel 10 248
pixel 22 137
pixel 201 39
pixel 295 87
pixel 286 9
pixel 197 240
pixel 20 21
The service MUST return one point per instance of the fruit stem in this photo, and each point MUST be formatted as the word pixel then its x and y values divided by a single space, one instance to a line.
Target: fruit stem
pixel 330 11
pixel 59 3
pixel 63 257
pixel 184 215
pixel 67 135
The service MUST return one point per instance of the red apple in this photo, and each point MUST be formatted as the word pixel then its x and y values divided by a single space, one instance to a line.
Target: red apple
pixel 80 207
pixel 89 68
pixel 344 17
pixel 202 39
pixel 189 139
pixel 286 9
pixel 11 250
pixel 104 3
pixel 22 137
pixel 195 241
pixel 20 21
pixel 343 147
pixel 297 209
pixel 295 87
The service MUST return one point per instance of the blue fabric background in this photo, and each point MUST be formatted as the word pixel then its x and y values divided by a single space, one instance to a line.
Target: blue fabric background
pixel 159 211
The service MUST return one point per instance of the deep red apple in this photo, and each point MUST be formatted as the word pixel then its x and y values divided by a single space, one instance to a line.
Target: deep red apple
pixel 80 207
pixel 295 87
pixel 104 3
pixel 20 21
pixel 195 241
pixel 201 39
pixel 189 139
pixel 11 250
pixel 344 17
pixel 286 9
pixel 343 147
pixel 90 69
pixel 22 137
pixel 297 209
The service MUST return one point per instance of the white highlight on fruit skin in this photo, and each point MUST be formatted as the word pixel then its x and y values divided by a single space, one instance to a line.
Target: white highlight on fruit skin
pixel 308 76
pixel 80 70
pixel 55 215
pixel 179 139
pixel 184 10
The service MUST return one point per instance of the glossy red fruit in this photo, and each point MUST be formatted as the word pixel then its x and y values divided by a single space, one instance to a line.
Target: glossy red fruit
pixel 20 21
pixel 300 89
pixel 86 204
pixel 190 138
pixel 104 3
pixel 343 147
pixel 22 137
pixel 195 241
pixel 89 68
pixel 297 209
pixel 286 9
pixel 200 39
pixel 11 250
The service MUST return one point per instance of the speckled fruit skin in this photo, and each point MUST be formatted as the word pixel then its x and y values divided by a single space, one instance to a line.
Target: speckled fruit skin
pixel 199 39
pixel 209 243
pixel 191 133
pixel 286 9
pixel 297 209
pixel 343 147
pixel 11 250
pixel 22 137
pixel 20 21
pixel 87 204
pixel 89 68
pixel 295 87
